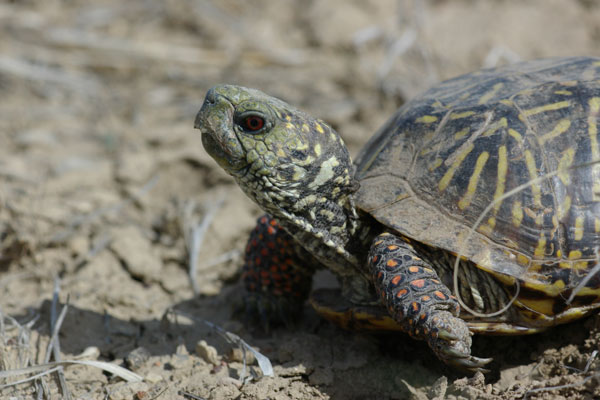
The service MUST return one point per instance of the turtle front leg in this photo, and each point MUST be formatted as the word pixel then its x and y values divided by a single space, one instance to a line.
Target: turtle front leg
pixel 276 278
pixel 414 296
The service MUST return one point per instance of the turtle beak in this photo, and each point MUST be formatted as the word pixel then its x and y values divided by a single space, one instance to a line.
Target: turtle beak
pixel 215 121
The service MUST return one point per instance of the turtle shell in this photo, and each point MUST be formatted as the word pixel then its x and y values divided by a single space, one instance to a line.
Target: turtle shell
pixel 501 167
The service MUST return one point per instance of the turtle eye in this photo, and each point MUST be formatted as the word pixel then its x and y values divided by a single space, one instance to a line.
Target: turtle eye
pixel 253 123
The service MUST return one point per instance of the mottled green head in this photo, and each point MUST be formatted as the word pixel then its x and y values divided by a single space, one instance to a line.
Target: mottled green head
pixel 279 155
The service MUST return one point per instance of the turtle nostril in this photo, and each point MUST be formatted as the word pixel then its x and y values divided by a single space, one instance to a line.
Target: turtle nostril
pixel 209 101
pixel 211 96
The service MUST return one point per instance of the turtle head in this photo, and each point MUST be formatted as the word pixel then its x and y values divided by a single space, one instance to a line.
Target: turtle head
pixel 278 155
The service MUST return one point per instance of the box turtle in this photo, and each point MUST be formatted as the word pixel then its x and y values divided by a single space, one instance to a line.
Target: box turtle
pixel 498 169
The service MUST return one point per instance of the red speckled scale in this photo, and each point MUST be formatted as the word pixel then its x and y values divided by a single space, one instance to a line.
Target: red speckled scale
pixel 277 281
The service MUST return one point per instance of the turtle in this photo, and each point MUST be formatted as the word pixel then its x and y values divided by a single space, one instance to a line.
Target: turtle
pixel 475 209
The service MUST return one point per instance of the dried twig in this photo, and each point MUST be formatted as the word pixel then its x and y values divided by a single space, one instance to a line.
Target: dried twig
pixel 194 234
pixel 121 372
pixel 263 362
pixel 54 344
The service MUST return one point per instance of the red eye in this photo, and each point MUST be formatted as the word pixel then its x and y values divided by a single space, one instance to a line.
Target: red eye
pixel 254 123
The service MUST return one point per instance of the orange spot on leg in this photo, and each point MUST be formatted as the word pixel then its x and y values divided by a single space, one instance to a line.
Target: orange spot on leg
pixel 397 279
pixel 419 283
pixel 440 295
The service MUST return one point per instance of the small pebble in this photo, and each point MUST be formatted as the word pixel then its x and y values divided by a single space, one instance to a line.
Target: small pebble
pixel 237 354
pixel 152 377
pixel 137 358
pixel 207 352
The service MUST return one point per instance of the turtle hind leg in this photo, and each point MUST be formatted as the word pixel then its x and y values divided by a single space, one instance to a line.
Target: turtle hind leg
pixel 424 307
pixel 276 280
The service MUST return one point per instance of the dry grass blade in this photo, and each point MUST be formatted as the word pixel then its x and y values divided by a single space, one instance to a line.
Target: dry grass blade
pixel 590 361
pixel 53 339
pixel 54 344
pixel 121 372
pixel 32 378
pixel 20 340
pixel 195 234
pixel 263 362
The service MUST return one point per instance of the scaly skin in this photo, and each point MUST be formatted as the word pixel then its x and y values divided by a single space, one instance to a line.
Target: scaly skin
pixel 277 280
pixel 298 170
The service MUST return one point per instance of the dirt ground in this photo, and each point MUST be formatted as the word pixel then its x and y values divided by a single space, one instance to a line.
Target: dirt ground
pixel 105 188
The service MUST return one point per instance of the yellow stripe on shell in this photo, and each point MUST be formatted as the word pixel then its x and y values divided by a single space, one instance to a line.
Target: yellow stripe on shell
pixel 578 231
pixel 594 104
pixel 461 133
pixel 522 259
pixel 501 123
pixel 564 207
pixel 575 255
pixel 516 135
pixel 517 213
pixel 436 163
pixel 445 181
pixel 533 174
pixel 560 128
pixel 487 96
pixel 463 114
pixel 544 108
pixel 501 181
pixel 465 201
pixel 427 119
pixel 541 246
pixel 565 162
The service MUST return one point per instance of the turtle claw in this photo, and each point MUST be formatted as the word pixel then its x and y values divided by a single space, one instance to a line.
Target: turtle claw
pixel 470 363
pixel 445 334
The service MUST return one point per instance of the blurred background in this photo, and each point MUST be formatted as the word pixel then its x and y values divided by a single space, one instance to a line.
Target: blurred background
pixel 105 188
